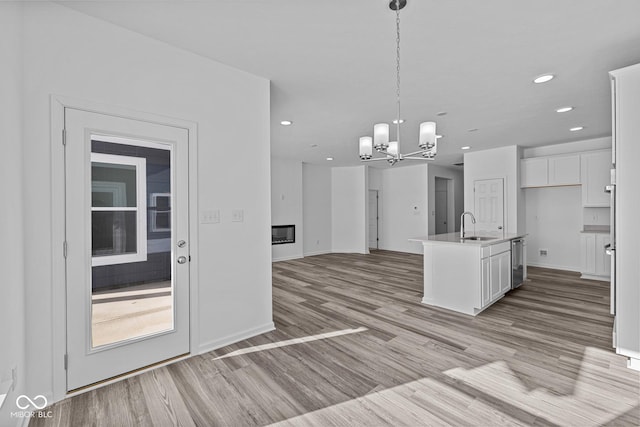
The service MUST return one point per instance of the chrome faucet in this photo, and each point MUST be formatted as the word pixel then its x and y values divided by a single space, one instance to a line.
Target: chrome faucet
pixel 473 221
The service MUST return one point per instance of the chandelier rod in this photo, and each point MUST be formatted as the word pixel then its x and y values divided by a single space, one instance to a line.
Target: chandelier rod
pixel 398 72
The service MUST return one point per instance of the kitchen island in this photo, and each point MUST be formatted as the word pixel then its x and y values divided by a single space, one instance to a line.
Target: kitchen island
pixel 466 275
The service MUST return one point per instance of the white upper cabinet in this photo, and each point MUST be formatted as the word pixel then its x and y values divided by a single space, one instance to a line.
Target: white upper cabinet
pixel 534 172
pixel 564 170
pixel 550 171
pixel 596 174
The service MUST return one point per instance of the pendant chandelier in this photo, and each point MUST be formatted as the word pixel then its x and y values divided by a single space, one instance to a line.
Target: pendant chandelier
pixel 427 141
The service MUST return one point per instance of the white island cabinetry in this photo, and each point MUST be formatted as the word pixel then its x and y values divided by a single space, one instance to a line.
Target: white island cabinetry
pixel 464 275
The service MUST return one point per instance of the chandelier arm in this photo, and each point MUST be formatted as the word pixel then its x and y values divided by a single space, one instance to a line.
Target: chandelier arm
pixel 386 153
pixel 376 159
pixel 414 153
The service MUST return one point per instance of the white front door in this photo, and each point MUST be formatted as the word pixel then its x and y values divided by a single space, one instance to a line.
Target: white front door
pixel 127 249
pixel 489 205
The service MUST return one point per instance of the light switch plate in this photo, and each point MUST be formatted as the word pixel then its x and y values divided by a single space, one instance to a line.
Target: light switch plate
pixel 237 215
pixel 210 217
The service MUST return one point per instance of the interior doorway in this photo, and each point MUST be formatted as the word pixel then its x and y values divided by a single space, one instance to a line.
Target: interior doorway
pixel 442 208
pixel 374 219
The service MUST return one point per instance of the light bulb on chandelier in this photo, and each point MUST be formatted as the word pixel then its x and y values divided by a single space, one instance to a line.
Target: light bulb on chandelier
pixel 427 140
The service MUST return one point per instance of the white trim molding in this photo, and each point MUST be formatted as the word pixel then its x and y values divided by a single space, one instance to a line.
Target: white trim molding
pixel 234 338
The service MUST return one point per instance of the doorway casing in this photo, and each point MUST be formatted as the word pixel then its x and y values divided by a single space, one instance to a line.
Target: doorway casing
pixel 58 301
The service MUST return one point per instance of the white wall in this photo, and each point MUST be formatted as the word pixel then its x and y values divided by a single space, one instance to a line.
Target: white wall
pixel 349 231
pixel 375 178
pixel 554 221
pixel 503 163
pixel 456 175
pixel 286 205
pixel 12 320
pixel 71 54
pixel 568 148
pixel 404 207
pixel 316 209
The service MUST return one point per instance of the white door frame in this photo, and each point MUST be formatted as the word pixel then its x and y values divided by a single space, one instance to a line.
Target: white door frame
pixel 451 207
pixel 58 275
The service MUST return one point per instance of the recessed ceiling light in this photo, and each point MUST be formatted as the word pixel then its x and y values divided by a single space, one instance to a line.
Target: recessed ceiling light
pixel 441 113
pixel 544 78
pixel 564 109
pixel 439 136
pixel 472 130
pixel 395 122
pixel 466 147
pixel 329 158
pixel 286 123
pixel 576 128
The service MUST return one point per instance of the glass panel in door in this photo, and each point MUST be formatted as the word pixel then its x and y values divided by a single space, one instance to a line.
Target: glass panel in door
pixel 131 231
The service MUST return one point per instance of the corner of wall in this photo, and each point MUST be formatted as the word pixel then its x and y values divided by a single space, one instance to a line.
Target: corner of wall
pixel 13 370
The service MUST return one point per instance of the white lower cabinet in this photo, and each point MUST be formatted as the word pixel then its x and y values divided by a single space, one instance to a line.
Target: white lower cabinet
pixel 485 291
pixel 595 263
pixel 463 276
pixel 496 274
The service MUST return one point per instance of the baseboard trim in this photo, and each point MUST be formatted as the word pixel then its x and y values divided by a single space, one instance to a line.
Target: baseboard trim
pixel 234 338
pixel 287 258
pixel 595 277
pixel 553 267
pixel 306 254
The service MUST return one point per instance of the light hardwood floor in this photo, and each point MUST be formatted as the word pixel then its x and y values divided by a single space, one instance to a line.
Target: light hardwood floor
pixel 354 346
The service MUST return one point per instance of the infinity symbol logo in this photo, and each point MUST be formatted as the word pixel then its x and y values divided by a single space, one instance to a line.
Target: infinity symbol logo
pixel 30 402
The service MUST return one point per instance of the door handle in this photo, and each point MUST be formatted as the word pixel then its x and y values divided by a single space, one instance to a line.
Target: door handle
pixel 182 259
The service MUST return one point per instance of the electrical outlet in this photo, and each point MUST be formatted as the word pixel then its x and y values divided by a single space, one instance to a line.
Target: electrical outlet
pixel 543 252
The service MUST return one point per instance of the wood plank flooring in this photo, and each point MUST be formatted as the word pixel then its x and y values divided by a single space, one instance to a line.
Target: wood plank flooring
pixel 355 347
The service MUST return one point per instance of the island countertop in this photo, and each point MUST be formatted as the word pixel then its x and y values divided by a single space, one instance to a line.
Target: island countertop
pixel 449 238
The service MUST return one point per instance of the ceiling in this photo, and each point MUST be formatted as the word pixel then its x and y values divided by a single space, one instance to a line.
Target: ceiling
pixel 332 65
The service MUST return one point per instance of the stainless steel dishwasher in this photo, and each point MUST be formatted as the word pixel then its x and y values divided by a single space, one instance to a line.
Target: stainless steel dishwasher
pixel 518 263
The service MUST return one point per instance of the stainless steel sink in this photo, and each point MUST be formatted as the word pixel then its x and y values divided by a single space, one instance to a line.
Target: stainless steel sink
pixel 479 238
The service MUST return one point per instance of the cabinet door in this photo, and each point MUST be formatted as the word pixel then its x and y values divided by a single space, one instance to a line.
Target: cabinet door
pixel 588 253
pixel 494 286
pixel 596 174
pixel 486 282
pixel 505 272
pixel 602 260
pixel 534 172
pixel 564 170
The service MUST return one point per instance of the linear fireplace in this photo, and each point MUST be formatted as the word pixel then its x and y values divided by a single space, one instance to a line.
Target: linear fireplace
pixel 281 234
